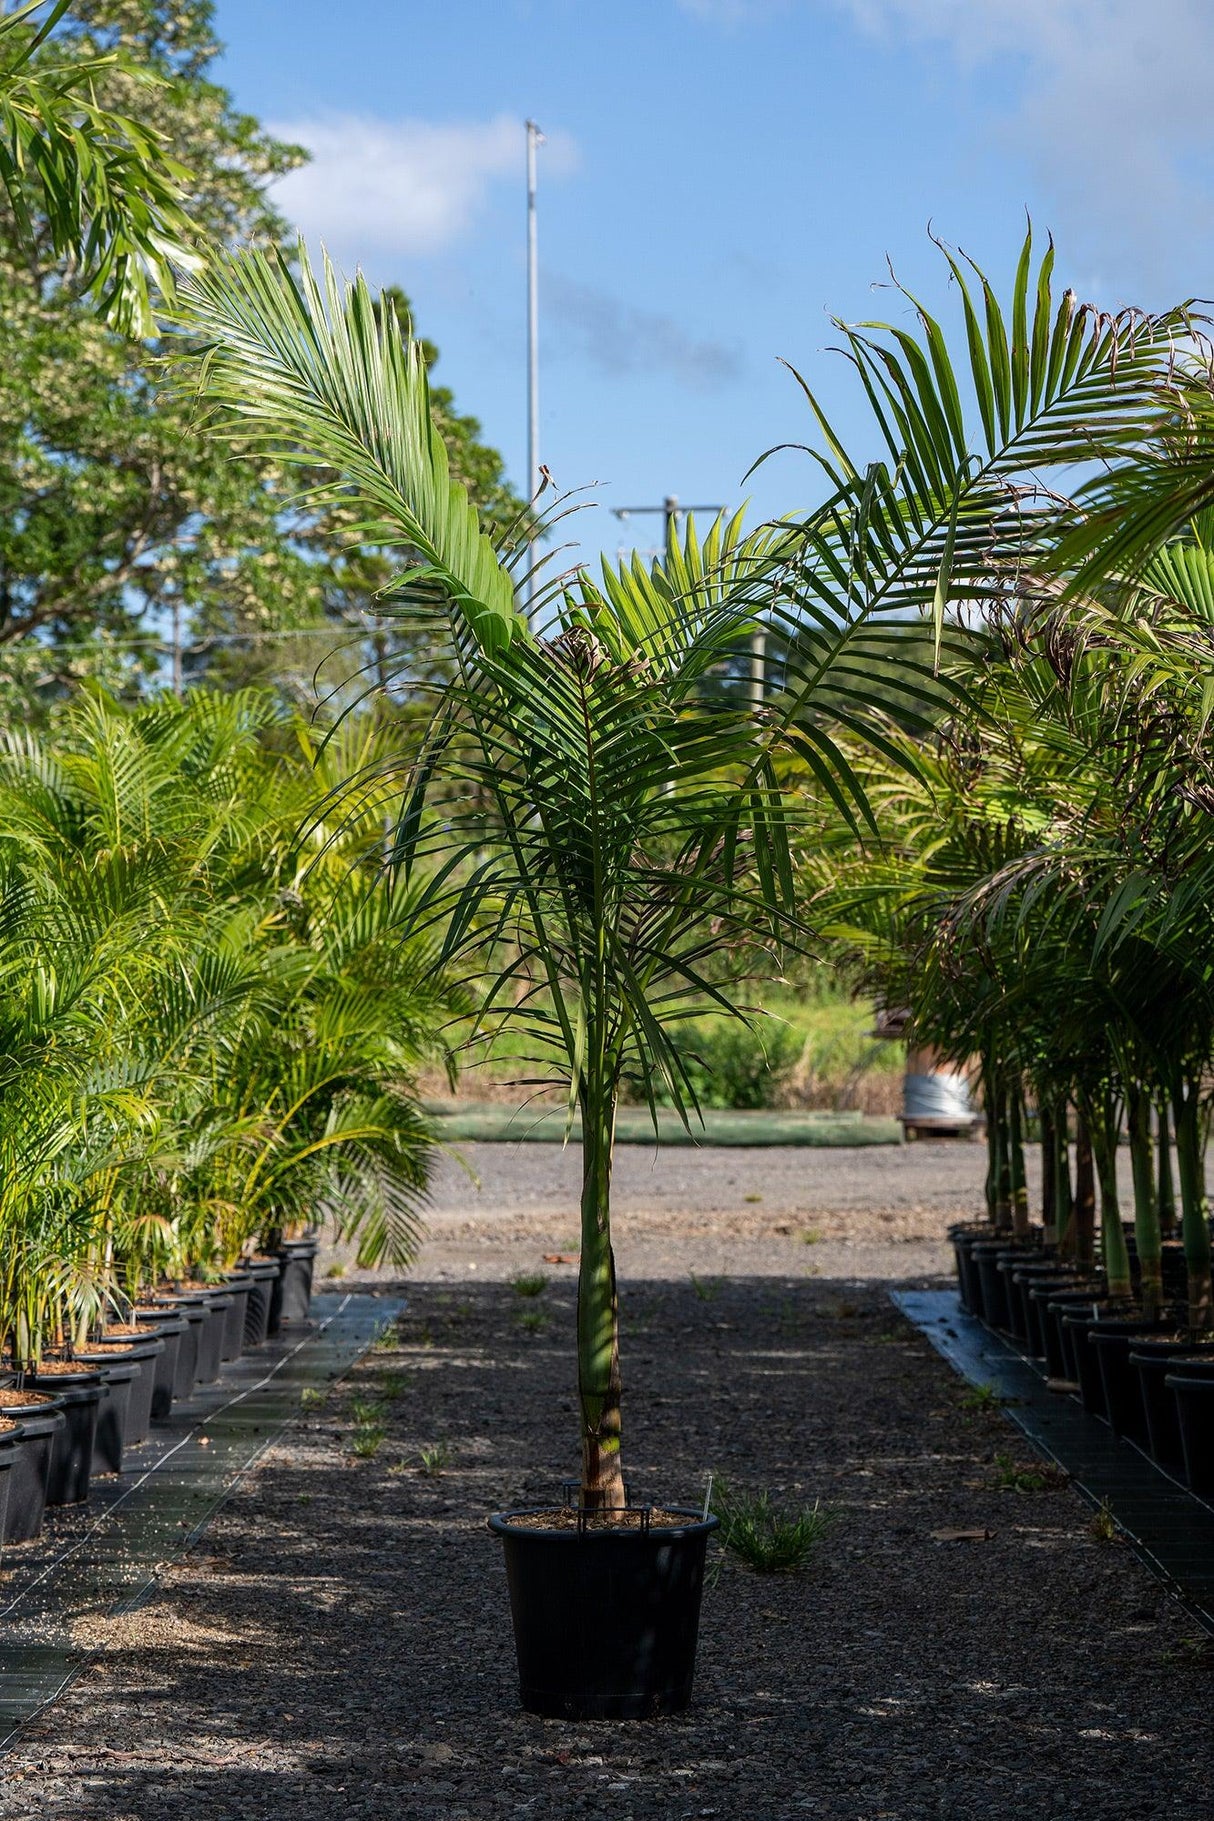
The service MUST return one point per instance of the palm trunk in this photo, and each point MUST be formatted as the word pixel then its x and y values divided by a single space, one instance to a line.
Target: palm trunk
pixel 1166 1190
pixel 1085 1193
pixel 1003 1159
pixel 598 1333
pixel 1019 1180
pixel 1103 1123
pixel 1146 1208
pixel 1190 1167
pixel 1064 1207
pixel 1049 1175
pixel 990 1106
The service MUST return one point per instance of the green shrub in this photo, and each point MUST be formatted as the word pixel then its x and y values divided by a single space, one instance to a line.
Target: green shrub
pixel 733 1066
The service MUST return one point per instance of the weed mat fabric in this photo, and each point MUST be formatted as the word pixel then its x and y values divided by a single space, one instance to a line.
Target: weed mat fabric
pixel 338 1642
pixel 104 1557
pixel 1168 1526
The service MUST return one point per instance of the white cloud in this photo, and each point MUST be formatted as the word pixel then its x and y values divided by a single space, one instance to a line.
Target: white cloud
pixel 620 339
pixel 1112 105
pixel 379 187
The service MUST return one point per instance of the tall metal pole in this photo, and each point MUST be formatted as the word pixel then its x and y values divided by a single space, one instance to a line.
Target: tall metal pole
pixel 534 138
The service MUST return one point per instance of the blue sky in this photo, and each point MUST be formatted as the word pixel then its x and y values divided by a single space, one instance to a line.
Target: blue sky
pixel 721 177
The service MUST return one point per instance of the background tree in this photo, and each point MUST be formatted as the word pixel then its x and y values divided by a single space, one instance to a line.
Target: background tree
pixel 124 534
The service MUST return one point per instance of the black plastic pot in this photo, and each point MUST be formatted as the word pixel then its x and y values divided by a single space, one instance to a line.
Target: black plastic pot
pixel 146 1350
pixel 40 1421
pixel 291 1296
pixel 1023 1279
pixel 990 1282
pixel 193 1312
pixel 27 1488
pixel 120 1373
pixel 1083 1305
pixel 1153 1360
pixel 81 1394
pixel 1045 1299
pixel 211 1338
pixel 1113 1341
pixel 1195 1412
pixel 265 1273
pixel 10 1440
pixel 1077 1325
pixel 171 1329
pixel 965 1235
pixel 605 1621
pixel 237 1285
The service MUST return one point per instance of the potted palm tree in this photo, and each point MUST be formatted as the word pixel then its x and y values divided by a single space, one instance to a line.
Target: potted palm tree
pixel 597 810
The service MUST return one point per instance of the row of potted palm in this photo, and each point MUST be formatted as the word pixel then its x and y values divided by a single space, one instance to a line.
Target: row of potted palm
pixel 1041 904
pixel 212 1011
pixel 606 813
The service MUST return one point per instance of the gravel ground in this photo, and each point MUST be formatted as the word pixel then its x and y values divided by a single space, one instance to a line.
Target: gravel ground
pixel 338 1644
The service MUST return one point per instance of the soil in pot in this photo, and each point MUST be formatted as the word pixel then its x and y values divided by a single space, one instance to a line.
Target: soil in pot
pixel 81 1391
pixel 41 1418
pixel 606 1613
pixel 1195 1412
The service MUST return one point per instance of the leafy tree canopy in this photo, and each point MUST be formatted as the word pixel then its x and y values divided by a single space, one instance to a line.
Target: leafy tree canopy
pixel 119 523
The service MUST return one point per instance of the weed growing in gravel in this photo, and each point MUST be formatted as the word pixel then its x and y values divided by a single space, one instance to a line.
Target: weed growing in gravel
pixel 529 1283
pixel 533 1321
pixel 981 1397
pixel 366 1410
pixel 769 1540
pixel 707 1289
pixel 368 1439
pixel 311 1398
pixel 336 1270
pixel 1103 1527
pixel 388 1338
pixel 391 1384
pixel 434 1459
pixel 1018 1476
pixel 752 1198
pixel 811 1237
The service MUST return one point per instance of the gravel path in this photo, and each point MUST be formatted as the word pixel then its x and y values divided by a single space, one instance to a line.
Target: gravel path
pixel 338 1644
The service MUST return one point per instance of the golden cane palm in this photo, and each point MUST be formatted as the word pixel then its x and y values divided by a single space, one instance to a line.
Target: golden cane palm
pixel 598 814
pixel 107 193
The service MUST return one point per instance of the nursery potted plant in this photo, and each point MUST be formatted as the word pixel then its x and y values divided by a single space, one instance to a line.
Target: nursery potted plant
pixel 596 815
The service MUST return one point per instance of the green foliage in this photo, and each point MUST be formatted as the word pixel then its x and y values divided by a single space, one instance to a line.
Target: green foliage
pixel 210 1030
pixel 767 1538
pixel 118 520
pixel 529 1283
pixel 737 1065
